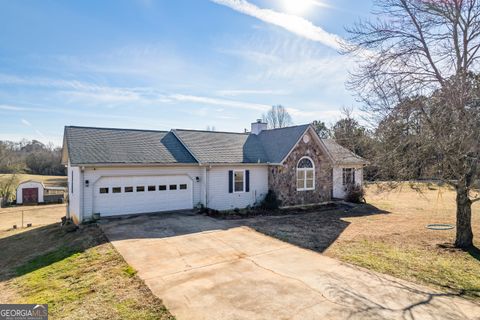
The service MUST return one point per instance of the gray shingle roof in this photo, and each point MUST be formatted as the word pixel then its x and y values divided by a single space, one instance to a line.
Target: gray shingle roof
pixel 223 147
pixel 87 145
pixel 277 143
pixel 101 145
pixel 342 155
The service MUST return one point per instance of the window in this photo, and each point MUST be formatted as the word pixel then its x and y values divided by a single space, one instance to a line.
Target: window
pixel 116 190
pixel 162 187
pixel 183 187
pixel 238 181
pixel 151 188
pixel 305 174
pixel 128 189
pixel 103 190
pixel 140 188
pixel 348 176
pixel 173 187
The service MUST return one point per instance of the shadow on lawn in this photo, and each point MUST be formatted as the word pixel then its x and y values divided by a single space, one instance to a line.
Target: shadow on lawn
pixel 28 251
pixel 474 252
pixel 312 229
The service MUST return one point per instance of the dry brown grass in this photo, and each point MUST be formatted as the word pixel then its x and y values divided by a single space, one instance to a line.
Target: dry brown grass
pixel 36 215
pixel 399 243
pixel 60 181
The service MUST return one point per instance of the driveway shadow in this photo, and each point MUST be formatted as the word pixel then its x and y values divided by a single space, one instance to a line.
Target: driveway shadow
pixel 313 229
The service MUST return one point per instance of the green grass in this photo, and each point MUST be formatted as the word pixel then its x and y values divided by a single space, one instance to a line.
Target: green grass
pixel 86 280
pixel 455 270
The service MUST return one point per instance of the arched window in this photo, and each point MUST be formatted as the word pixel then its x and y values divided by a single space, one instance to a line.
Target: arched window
pixel 305 174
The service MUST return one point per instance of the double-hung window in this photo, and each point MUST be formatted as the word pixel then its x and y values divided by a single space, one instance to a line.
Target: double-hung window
pixel 348 176
pixel 239 181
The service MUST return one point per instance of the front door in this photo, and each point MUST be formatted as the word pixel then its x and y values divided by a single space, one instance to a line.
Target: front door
pixel 30 195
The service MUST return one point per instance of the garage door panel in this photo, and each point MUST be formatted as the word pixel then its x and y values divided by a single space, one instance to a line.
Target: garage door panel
pixel 110 203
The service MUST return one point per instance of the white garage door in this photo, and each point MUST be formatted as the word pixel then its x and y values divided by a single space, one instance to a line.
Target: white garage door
pixel 140 194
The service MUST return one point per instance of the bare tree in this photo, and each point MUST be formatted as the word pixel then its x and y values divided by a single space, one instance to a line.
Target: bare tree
pixel 210 128
pixel 425 50
pixel 277 117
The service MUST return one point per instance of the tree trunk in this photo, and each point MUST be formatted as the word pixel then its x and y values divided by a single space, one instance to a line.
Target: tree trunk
pixel 464 237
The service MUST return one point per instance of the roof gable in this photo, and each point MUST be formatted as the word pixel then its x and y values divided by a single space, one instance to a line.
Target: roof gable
pixel 278 143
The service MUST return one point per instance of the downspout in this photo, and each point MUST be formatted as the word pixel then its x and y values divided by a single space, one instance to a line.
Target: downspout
pixel 82 191
pixel 207 181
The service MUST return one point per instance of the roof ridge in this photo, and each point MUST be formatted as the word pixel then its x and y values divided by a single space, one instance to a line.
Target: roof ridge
pixel 207 131
pixel 295 126
pixel 118 129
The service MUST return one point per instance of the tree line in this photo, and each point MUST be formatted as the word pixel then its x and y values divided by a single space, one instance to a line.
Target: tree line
pixel 31 157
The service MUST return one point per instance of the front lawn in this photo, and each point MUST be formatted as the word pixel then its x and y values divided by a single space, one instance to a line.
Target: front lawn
pixel 79 274
pixel 389 236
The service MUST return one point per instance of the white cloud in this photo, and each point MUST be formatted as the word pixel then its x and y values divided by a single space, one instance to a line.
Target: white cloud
pixel 11 108
pixel 220 102
pixel 240 92
pixel 26 123
pixel 292 23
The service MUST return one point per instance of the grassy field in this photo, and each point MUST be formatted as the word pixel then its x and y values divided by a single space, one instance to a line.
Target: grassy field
pixel 58 181
pixel 398 243
pixel 79 274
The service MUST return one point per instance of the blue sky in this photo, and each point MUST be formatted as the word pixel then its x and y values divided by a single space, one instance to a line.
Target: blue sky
pixel 169 63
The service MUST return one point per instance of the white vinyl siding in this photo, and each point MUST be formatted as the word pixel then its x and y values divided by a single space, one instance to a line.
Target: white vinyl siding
pixel 338 187
pixel 74 197
pixel 218 194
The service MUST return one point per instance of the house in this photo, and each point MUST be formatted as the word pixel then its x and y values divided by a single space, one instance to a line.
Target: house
pixel 123 171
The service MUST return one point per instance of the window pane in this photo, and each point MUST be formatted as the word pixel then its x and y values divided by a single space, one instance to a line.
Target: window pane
pixel 305 163
pixel 128 189
pixel 103 190
pixel 309 184
pixel 173 187
pixel 300 184
pixel 162 187
pixel 116 190
pixel 309 174
pixel 183 187
pixel 151 188
pixel 140 189
pixel 238 186
pixel 238 177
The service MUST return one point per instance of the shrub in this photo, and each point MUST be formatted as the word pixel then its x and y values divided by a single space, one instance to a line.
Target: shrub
pixel 270 202
pixel 355 193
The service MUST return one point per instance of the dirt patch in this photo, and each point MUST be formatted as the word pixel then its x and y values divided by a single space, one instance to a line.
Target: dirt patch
pixel 37 216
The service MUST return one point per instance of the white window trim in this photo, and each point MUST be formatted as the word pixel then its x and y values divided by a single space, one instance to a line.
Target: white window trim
pixel 244 181
pixel 353 175
pixel 304 171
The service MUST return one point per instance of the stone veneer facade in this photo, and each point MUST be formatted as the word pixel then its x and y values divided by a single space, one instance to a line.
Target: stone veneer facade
pixel 283 179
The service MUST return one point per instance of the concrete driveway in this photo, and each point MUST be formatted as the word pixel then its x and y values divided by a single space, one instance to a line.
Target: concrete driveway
pixel 208 269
